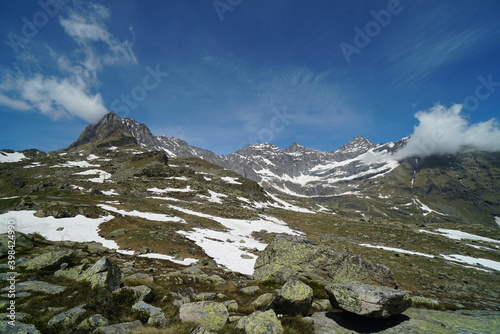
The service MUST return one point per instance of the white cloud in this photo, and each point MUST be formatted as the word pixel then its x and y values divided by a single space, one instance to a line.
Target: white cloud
pixel 445 131
pixel 71 89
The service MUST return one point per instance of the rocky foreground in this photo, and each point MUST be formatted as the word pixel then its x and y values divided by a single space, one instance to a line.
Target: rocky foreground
pixel 298 287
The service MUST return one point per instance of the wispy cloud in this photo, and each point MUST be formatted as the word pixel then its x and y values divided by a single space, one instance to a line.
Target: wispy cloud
pixel 70 89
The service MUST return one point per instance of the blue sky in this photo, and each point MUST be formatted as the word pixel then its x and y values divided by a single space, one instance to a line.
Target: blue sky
pixel 227 73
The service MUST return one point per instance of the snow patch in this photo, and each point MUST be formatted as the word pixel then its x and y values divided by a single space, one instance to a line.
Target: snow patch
pixel 166 190
pixel 11 157
pixel 82 164
pixel 101 175
pixel 230 180
pixel 109 192
pixel 399 250
pixel 146 215
pixel 459 235
pixel 214 197
pixel 473 261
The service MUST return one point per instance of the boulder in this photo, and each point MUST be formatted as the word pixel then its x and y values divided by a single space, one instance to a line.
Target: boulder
pixel 368 300
pixel 200 330
pixel 92 322
pixel 50 260
pixel 294 256
pixel 231 305
pixel 123 328
pixel 263 301
pixel 66 319
pixel 142 292
pixel 104 273
pixel 117 233
pixel 261 323
pixel 156 316
pixel 294 298
pixel 211 315
pixel 19 328
pixel 250 290
pixel 37 286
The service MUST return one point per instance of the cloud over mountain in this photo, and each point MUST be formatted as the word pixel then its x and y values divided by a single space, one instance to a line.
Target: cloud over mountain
pixel 444 130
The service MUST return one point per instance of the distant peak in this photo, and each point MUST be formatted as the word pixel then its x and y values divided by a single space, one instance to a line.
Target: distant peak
pixel 357 144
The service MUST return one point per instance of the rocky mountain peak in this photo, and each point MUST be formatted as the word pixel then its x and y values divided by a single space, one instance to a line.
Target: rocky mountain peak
pixel 357 145
pixel 112 128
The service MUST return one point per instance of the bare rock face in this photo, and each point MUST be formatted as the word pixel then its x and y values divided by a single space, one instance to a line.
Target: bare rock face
pixel 211 315
pixel 368 300
pixel 292 256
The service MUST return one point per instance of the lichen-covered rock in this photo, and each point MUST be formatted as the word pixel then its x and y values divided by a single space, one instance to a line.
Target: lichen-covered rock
pixel 321 305
pixel 19 328
pixel 49 260
pixel 250 290
pixel 294 256
pixel 211 315
pixel 37 286
pixel 66 319
pixel 123 328
pixel 262 302
pixel 142 292
pixel 261 323
pixel 21 242
pixel 293 298
pixel 92 322
pixel 368 300
pixel 117 233
pixel 200 330
pixel 231 305
pixel 104 273
pixel 156 316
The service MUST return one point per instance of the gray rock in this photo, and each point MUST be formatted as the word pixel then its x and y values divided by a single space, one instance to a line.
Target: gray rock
pixel 321 305
pixel 261 323
pixel 92 322
pixel 293 298
pixel 200 330
pixel 293 256
pixel 37 286
pixel 123 328
pixel 205 296
pixel 19 328
pixel 263 301
pixel 211 315
pixel 95 247
pixel 20 316
pixel 118 233
pixel 142 292
pixel 50 260
pixel 66 319
pixel 104 273
pixel 368 300
pixel 207 263
pixel 250 290
pixel 156 316
pixel 231 305
pixel 141 276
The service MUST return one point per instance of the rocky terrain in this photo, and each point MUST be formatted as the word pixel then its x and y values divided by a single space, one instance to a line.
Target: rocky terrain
pixel 124 227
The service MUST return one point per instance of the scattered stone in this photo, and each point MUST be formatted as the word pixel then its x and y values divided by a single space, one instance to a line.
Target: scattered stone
pixel 142 276
pixel 104 273
pixel 205 296
pixel 117 233
pixel 50 260
pixel 66 319
pixel 231 305
pixel 216 279
pixel 20 316
pixel 192 270
pixel 211 315
pixel 37 286
pixel 123 328
pixel 95 321
pixel 250 290
pixel 293 298
pixel 207 263
pixel 95 247
pixel 321 305
pixel 294 256
pixel 156 316
pixel 263 301
pixel 19 328
pixel 368 300
pixel 142 292
pixel 261 323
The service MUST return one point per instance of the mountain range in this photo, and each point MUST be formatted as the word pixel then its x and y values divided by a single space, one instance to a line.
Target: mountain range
pixel 360 178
